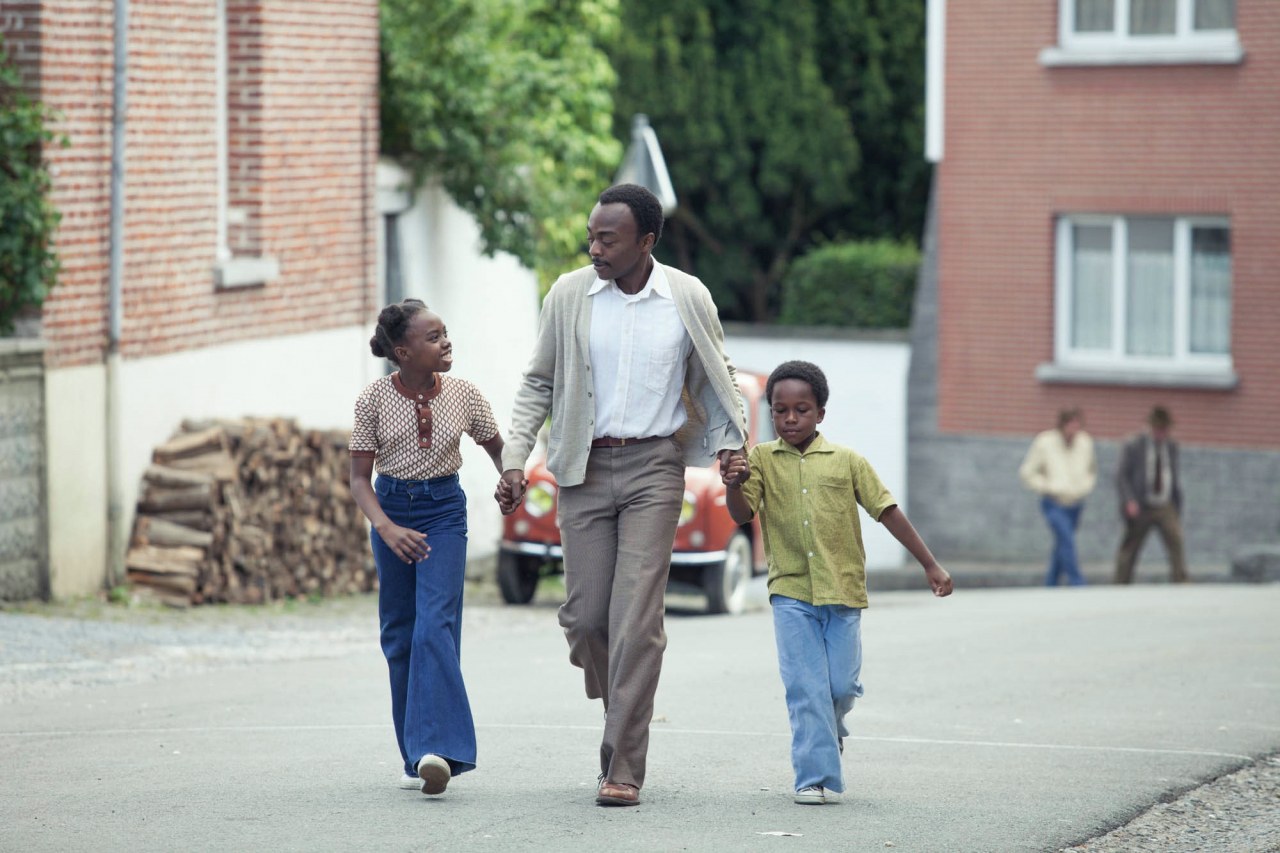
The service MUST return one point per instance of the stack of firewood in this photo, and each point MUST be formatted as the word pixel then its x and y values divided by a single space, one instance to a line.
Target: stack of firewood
pixel 248 511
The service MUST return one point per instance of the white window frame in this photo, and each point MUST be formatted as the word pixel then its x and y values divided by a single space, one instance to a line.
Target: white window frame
pixel 1187 46
pixel 1114 365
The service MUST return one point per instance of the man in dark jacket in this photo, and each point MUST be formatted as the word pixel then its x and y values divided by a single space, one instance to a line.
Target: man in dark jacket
pixel 1151 494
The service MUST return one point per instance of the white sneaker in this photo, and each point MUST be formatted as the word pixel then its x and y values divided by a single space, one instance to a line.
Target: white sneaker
pixel 434 773
pixel 813 795
pixel 409 783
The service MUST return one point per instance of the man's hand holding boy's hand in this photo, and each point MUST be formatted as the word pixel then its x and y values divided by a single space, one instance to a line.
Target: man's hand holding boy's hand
pixel 939 580
pixel 734 469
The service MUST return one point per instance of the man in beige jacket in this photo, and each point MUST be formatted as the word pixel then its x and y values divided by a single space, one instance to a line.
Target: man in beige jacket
pixel 629 363
pixel 1061 467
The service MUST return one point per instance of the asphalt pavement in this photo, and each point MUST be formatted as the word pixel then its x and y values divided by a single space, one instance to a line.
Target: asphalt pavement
pixel 998 719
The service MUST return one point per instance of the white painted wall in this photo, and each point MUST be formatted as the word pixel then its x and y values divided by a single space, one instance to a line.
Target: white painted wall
pixel 867 410
pixel 75 441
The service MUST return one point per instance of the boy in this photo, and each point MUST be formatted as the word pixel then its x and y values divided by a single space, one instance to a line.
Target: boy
pixel 808 489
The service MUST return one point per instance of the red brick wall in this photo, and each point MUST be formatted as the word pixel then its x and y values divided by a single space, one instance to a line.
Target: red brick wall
pixel 1025 143
pixel 310 69
pixel 75 79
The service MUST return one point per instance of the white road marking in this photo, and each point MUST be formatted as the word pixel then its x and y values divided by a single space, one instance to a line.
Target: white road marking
pixel 658 729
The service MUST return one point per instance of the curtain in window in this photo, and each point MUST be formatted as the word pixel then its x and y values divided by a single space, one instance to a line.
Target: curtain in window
pixel 1215 14
pixel 1210 290
pixel 1095 16
pixel 1149 307
pixel 1091 287
pixel 1153 17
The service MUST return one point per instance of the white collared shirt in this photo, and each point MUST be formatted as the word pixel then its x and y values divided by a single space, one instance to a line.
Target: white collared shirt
pixel 640 342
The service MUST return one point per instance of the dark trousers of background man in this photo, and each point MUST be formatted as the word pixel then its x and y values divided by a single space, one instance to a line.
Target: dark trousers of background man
pixel 1165 519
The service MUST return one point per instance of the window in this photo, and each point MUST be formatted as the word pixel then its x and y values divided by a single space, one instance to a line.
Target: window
pixel 240 259
pixel 1143 295
pixel 1145 31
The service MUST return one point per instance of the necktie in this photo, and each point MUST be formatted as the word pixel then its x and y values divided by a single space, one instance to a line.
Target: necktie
pixel 1159 484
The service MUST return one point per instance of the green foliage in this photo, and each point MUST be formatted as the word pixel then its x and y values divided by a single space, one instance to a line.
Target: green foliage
pixel 865 285
pixel 783 125
pixel 28 262
pixel 509 104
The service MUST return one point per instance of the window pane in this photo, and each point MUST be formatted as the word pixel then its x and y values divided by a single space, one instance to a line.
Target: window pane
pixel 1091 287
pixel 1153 17
pixel 1095 16
pixel 1211 290
pixel 1215 14
pixel 1149 316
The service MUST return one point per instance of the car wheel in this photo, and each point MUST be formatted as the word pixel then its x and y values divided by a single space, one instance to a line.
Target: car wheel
pixel 726 583
pixel 517 577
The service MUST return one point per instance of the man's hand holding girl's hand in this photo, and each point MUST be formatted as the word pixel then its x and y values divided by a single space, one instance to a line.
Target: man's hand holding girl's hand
pixel 510 491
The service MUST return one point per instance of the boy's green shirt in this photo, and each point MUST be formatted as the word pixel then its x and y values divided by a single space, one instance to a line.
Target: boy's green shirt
pixel 809 510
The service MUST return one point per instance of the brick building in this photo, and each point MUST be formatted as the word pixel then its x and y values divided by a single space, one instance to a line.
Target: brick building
pixel 249 263
pixel 1103 235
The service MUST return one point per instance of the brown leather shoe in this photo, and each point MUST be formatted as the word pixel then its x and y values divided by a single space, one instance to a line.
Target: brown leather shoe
pixel 617 794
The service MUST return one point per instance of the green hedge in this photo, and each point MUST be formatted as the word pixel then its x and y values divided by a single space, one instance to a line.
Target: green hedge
pixel 28 263
pixel 861 285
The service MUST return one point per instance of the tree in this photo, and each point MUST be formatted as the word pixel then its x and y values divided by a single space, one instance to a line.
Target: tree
pixel 509 104
pixel 783 125
pixel 28 220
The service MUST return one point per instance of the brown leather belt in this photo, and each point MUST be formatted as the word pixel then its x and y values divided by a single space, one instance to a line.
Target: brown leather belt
pixel 609 441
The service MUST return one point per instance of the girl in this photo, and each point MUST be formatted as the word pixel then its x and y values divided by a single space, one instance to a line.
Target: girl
pixel 408 426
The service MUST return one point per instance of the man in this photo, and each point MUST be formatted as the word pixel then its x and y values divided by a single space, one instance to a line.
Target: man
pixel 630 364
pixel 1061 468
pixel 1151 494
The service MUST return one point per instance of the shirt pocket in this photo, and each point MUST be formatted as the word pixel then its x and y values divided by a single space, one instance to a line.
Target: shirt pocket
pixel 661 369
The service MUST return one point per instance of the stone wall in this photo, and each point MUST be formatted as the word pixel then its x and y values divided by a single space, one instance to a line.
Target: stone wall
pixel 23 572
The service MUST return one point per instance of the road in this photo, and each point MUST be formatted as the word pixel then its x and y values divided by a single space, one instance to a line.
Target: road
pixel 1004 719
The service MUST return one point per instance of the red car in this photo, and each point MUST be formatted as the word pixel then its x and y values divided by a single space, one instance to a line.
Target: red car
pixel 710 551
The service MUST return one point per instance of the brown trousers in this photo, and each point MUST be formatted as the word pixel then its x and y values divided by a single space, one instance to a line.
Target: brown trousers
pixel 1165 518
pixel 617 529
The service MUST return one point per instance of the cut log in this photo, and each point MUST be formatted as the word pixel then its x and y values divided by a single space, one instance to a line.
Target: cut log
pixel 176 478
pixel 181 560
pixel 154 530
pixel 181 584
pixel 191 444
pixel 157 500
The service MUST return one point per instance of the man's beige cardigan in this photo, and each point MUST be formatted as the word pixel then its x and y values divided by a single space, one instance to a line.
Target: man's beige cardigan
pixel 558 381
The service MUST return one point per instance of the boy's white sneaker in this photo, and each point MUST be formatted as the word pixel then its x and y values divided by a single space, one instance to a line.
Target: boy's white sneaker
pixel 813 795
pixel 409 783
pixel 434 773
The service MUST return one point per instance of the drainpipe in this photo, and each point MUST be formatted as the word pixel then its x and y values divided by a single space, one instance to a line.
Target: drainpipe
pixel 115 277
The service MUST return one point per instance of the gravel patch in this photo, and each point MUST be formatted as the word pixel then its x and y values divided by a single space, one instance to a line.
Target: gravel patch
pixel 1235 813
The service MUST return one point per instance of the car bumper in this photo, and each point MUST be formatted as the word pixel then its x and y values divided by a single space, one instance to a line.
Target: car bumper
pixel 555 552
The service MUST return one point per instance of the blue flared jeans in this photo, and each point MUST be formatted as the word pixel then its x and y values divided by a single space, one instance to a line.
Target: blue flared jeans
pixel 1063 522
pixel 820 660
pixel 420 613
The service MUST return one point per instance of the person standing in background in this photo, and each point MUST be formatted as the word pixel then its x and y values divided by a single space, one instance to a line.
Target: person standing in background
pixel 1150 490
pixel 1062 469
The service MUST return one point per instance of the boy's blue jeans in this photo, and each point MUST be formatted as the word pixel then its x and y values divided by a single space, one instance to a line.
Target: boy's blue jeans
pixel 1063 522
pixel 420 612
pixel 820 659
